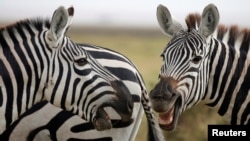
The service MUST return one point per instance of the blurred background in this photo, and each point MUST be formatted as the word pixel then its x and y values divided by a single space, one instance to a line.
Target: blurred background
pixel 122 13
pixel 130 27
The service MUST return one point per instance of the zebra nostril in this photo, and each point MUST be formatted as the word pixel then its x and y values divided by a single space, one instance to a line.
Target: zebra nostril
pixel 157 96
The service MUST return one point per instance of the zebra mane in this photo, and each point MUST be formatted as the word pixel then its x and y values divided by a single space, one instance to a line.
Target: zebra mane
pixel 38 23
pixel 193 21
pixel 238 35
pixel 234 33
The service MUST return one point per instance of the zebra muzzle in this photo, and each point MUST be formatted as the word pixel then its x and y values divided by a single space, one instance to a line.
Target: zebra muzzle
pixel 167 102
pixel 102 120
pixel 124 103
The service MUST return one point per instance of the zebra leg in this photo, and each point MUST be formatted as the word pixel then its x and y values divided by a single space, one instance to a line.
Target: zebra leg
pixel 102 121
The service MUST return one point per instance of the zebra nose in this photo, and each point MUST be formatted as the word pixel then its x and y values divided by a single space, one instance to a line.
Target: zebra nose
pixel 169 80
pixel 164 89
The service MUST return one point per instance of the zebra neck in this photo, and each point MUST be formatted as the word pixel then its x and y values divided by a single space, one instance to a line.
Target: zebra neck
pixel 229 77
pixel 24 63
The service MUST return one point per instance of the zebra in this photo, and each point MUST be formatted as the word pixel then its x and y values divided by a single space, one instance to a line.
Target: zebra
pixel 37 63
pixel 72 127
pixel 53 123
pixel 202 63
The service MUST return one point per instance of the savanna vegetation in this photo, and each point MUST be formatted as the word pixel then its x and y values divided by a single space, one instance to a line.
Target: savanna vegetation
pixel 143 47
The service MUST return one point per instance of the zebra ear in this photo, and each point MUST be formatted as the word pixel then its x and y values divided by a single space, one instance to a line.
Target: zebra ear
pixel 71 14
pixel 209 20
pixel 168 25
pixel 59 23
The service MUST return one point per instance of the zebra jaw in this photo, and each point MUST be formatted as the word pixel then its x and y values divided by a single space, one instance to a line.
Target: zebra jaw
pixel 102 120
pixel 168 119
pixel 122 104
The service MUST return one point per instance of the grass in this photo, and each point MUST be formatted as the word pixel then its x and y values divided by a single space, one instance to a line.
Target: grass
pixel 144 47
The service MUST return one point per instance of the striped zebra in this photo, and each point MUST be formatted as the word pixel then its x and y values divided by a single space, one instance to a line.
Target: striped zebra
pixel 199 66
pixel 114 96
pixel 71 127
pixel 37 63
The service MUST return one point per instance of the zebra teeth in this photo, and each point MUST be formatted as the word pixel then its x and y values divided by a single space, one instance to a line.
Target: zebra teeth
pixel 166 118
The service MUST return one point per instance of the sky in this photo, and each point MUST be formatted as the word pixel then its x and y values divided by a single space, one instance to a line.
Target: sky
pixel 138 13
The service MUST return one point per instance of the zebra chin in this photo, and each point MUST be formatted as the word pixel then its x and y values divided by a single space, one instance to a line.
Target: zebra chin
pixel 169 119
pixel 167 102
pixel 102 121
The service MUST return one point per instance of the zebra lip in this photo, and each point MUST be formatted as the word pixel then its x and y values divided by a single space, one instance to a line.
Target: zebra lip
pixel 102 121
pixel 166 119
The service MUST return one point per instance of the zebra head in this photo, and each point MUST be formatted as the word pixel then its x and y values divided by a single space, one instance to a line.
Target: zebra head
pixel 78 83
pixel 184 74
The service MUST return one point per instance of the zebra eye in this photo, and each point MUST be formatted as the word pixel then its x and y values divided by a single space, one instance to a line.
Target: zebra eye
pixel 196 59
pixel 81 61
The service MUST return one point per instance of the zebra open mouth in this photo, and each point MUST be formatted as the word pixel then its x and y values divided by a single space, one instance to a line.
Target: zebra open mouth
pixel 102 120
pixel 121 103
pixel 168 120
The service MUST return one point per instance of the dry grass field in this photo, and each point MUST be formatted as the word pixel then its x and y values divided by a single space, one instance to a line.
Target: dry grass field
pixel 144 47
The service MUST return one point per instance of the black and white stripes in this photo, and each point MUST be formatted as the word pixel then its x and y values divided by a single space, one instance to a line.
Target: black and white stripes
pixel 72 127
pixel 207 63
pixel 39 63
pixel 73 89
